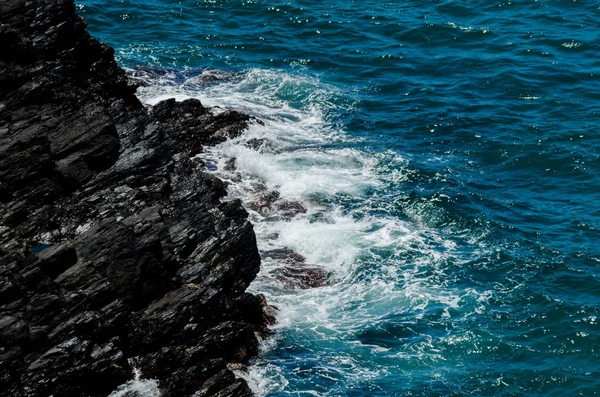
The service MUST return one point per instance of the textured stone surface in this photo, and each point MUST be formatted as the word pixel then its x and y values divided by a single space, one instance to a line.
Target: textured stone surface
pixel 114 245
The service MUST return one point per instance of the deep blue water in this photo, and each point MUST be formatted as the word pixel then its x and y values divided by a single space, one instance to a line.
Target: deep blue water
pixel 447 155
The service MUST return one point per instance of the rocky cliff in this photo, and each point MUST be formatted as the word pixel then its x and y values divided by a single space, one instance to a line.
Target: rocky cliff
pixel 116 250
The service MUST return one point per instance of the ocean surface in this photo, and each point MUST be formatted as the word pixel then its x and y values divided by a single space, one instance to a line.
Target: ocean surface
pixel 447 154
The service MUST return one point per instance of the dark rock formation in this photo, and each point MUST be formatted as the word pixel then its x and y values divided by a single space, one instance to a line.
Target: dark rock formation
pixel 267 203
pixel 293 271
pixel 114 245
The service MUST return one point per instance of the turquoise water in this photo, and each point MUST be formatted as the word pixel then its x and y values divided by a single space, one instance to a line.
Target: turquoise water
pixel 447 155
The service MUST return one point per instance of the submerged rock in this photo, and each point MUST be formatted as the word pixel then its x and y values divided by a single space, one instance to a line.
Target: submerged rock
pixel 301 277
pixel 268 203
pixel 264 201
pixel 141 258
pixel 293 271
pixel 289 209
pixel 284 255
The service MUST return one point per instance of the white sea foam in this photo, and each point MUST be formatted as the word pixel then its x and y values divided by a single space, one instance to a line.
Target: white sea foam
pixel 468 28
pixel 379 265
pixel 137 387
pixel 571 44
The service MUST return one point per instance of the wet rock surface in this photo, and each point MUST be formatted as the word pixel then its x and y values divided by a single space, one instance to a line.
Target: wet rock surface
pixel 115 247
pixel 268 204
pixel 293 272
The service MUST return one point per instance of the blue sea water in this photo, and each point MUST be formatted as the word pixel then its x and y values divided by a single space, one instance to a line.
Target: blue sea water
pixel 447 153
